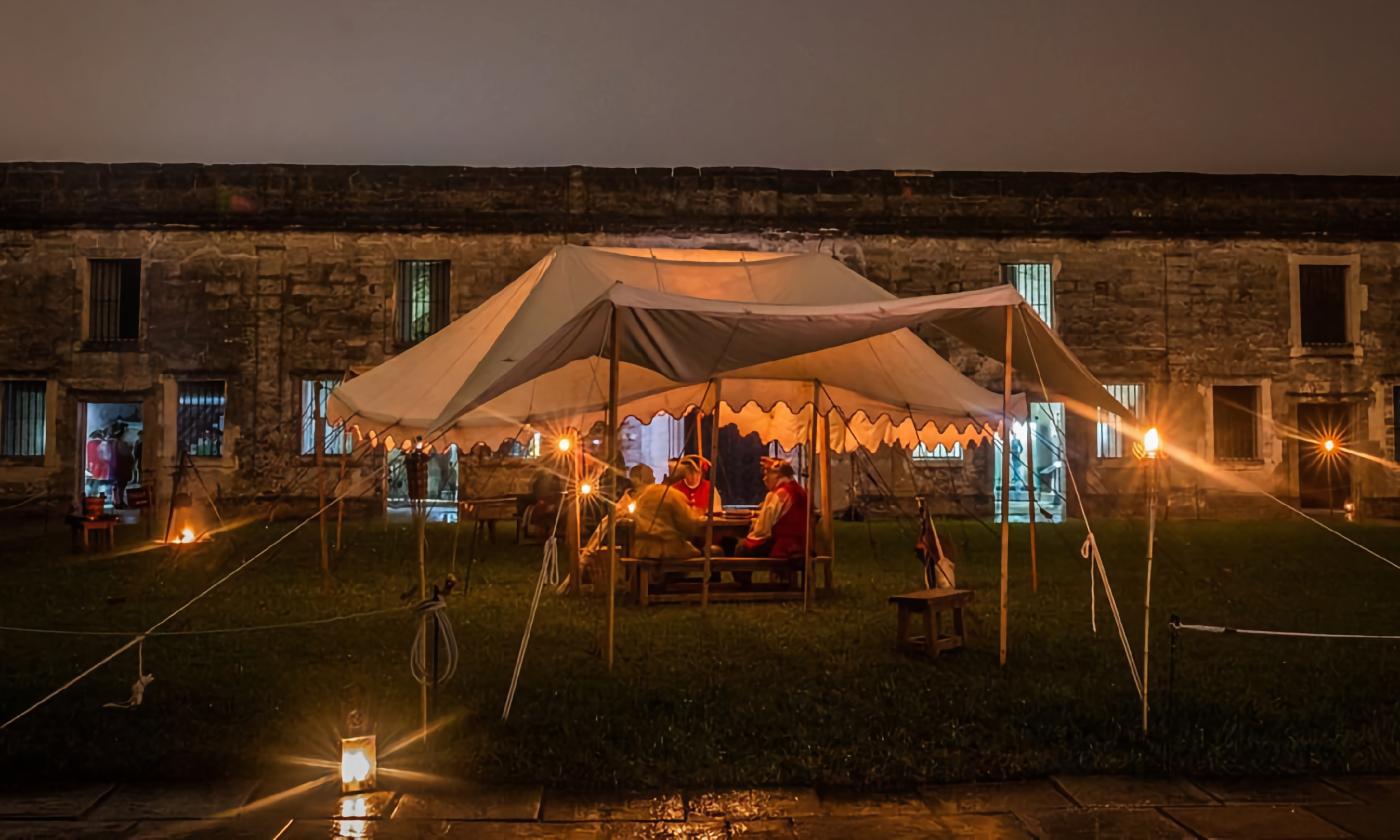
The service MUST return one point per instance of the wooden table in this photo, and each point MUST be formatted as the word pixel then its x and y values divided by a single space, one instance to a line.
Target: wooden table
pixel 104 525
pixel 931 603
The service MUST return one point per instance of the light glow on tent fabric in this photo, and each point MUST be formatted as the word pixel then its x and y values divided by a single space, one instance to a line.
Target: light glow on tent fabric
pixel 358 764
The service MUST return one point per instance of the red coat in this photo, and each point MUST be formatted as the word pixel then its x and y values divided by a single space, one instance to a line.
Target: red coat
pixel 790 531
pixel 698 496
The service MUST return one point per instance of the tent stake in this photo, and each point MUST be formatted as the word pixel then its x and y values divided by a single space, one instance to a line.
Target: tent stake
pixel 1005 478
pixel 611 498
pixel 710 502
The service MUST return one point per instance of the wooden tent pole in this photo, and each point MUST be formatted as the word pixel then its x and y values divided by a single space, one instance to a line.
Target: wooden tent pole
pixel 1030 489
pixel 319 439
pixel 710 502
pixel 828 526
pixel 1005 478
pixel 573 523
pixel 420 517
pixel 610 470
pixel 811 474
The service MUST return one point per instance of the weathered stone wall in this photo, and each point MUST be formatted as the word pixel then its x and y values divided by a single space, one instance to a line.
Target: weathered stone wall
pixel 264 275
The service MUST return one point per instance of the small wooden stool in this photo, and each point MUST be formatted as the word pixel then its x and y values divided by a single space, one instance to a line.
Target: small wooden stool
pixel 931 603
pixel 105 526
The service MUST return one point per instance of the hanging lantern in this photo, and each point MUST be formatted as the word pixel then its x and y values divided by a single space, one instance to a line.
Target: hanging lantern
pixel 358 764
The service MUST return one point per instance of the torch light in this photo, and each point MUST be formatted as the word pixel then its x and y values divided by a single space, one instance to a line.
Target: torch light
pixel 1151 443
pixel 631 507
pixel 585 488
pixel 1329 445
pixel 564 443
pixel 358 764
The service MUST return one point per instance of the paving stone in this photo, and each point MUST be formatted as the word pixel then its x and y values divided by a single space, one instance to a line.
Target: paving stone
pixel 1037 795
pixel 853 803
pixel 240 828
pixel 1097 824
pixel 690 830
pixel 1292 791
pixel 754 803
pixel 1374 789
pixel 1369 821
pixel 589 807
pixel 1254 822
pixel 471 802
pixel 61 830
pixel 990 826
pixel 38 803
pixel 173 802
pixel 891 828
pixel 1131 791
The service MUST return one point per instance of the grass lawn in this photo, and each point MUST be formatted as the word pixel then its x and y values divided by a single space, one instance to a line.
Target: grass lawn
pixel 745 694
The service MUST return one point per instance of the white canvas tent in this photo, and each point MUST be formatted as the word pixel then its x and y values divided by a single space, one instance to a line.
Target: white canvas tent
pixel 666 320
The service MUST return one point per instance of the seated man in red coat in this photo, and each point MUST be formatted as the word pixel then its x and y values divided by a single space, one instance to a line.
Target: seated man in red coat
pixel 695 483
pixel 780 528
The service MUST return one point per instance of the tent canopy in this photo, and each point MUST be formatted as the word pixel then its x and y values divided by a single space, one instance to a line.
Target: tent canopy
pixel 769 323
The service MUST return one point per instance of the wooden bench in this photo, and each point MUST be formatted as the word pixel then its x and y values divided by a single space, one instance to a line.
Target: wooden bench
pixel 649 586
pixel 931 603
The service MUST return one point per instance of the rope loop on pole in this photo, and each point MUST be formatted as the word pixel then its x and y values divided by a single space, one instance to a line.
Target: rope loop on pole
pixel 419 663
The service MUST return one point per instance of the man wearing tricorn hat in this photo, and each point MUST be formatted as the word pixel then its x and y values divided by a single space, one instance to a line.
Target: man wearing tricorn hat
pixel 695 482
pixel 780 528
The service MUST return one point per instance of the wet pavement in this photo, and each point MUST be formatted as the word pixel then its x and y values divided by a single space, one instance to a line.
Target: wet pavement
pixel 1057 807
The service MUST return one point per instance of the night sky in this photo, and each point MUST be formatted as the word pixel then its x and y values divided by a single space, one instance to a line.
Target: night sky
pixel 1247 86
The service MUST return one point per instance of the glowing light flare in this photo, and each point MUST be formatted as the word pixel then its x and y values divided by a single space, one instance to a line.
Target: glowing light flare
pixel 1329 445
pixel 358 764
pixel 564 443
pixel 585 488
pixel 186 535
pixel 631 507
pixel 1151 443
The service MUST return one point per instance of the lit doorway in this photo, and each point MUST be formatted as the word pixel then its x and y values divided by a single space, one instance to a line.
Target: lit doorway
pixel 1037 466
pixel 1324 476
pixel 111 452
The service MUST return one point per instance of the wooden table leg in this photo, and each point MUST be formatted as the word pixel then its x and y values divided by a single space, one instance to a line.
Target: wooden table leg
pixel 643 585
pixel 930 634
pixel 901 639
pixel 958 626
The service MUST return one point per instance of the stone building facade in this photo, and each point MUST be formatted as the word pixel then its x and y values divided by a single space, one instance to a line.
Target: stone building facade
pixel 1239 311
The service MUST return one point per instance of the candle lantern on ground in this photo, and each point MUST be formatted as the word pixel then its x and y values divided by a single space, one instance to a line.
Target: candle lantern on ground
pixel 358 764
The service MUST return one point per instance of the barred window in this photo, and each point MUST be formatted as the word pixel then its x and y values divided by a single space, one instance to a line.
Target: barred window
pixel 424 288
pixel 939 452
pixel 22 419
pixel 1322 305
pixel 527 448
pixel 114 300
pixel 337 442
pixel 1110 430
pixel 1035 282
pixel 199 418
pixel 1235 410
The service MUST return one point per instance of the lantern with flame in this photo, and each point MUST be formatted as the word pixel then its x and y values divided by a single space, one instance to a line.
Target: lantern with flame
pixel 1329 445
pixel 358 764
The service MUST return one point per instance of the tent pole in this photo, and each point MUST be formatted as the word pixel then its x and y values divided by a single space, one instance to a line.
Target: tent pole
pixel 1030 490
pixel 828 527
pixel 573 522
pixel 710 503
pixel 811 475
pixel 1147 595
pixel 612 485
pixel 319 441
pixel 1005 478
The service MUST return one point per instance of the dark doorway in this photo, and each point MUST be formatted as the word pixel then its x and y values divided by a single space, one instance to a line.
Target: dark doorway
pixel 1324 473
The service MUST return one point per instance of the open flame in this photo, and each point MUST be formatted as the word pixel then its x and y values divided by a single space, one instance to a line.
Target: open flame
pixel 186 535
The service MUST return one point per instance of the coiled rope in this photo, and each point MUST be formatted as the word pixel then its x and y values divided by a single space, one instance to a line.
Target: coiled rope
pixel 419 662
